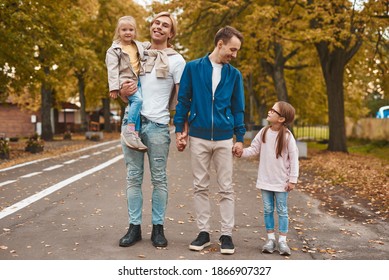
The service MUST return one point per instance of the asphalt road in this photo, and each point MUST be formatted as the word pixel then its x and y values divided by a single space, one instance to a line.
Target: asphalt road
pixel 73 207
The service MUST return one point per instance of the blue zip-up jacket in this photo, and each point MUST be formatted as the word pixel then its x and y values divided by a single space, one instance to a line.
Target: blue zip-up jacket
pixel 211 117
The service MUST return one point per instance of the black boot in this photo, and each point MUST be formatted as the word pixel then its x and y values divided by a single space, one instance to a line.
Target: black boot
pixel 133 235
pixel 157 236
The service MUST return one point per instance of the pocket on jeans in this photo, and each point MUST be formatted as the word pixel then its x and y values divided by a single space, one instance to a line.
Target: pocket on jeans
pixel 160 125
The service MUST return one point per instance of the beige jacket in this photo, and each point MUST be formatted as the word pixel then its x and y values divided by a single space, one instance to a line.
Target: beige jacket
pixel 119 66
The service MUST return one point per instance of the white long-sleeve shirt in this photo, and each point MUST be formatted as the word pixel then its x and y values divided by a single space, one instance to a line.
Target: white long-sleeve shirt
pixel 274 173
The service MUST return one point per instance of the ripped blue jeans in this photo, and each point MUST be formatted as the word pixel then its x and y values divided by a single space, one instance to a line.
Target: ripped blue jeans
pixel 278 200
pixel 157 139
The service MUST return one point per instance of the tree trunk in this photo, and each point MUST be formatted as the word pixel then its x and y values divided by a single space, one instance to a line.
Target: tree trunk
pixel 46 104
pixel 252 100
pixel 333 64
pixel 107 115
pixel 278 73
pixel 279 83
pixel 81 90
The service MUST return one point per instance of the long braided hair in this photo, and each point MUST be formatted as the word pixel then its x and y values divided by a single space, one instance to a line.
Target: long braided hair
pixel 287 111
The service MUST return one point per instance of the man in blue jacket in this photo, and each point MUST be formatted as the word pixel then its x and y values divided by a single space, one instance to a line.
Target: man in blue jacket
pixel 211 101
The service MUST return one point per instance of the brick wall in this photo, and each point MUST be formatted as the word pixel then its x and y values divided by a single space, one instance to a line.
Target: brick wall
pixel 14 122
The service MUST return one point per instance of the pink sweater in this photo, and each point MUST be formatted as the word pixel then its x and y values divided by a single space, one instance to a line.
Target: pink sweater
pixel 274 173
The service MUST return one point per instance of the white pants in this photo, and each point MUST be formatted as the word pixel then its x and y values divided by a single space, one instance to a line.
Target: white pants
pixel 203 152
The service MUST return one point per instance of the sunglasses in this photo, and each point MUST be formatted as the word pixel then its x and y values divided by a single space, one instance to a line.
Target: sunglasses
pixel 274 111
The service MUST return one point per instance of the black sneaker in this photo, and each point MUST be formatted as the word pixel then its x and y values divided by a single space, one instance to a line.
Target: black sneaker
pixel 226 247
pixel 200 242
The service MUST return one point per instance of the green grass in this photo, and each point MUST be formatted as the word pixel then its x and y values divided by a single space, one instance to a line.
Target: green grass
pixel 378 149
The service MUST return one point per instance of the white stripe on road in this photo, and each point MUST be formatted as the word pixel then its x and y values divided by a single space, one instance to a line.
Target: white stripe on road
pixel 29 200
pixel 30 175
pixel 7 182
pixel 70 161
pixel 53 167
pixel 43 159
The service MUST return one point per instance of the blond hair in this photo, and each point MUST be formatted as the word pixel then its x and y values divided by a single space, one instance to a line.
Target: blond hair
pixel 125 19
pixel 173 27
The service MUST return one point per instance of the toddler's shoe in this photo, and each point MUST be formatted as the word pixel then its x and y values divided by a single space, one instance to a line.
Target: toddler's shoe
pixel 141 146
pixel 269 246
pixel 132 140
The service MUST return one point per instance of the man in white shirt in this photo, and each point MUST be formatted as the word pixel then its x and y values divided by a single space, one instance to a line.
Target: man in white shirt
pixel 159 85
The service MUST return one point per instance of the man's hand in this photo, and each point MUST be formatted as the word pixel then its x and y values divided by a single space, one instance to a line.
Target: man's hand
pixel 182 138
pixel 180 141
pixel 237 149
pixel 127 89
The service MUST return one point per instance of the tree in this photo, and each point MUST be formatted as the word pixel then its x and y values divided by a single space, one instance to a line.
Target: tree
pixel 273 38
pixel 36 33
pixel 339 32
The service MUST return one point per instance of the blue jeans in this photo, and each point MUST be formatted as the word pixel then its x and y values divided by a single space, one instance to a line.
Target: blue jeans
pixel 157 139
pixel 281 200
pixel 135 102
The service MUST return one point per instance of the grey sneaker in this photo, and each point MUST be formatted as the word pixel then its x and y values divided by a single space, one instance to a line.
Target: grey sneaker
pixel 141 146
pixel 200 242
pixel 284 248
pixel 269 246
pixel 129 137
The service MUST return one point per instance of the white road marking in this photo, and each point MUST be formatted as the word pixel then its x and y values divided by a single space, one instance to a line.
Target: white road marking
pixel 53 167
pixel 70 161
pixel 29 200
pixel 30 175
pixel 7 182
pixel 43 159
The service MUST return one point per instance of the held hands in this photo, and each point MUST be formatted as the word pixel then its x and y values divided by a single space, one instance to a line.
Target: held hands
pixel 290 187
pixel 181 141
pixel 237 149
pixel 182 138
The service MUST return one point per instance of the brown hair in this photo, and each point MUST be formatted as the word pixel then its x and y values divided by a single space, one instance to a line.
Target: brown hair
pixel 287 112
pixel 226 33
pixel 128 19
pixel 173 27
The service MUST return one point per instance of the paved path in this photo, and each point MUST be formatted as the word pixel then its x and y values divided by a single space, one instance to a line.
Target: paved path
pixel 84 215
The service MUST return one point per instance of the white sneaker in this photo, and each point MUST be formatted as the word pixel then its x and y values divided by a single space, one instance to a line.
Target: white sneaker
pixel 283 248
pixel 269 246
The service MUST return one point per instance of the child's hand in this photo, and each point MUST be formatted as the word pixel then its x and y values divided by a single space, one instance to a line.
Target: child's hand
pixel 237 153
pixel 237 149
pixel 114 94
pixel 290 187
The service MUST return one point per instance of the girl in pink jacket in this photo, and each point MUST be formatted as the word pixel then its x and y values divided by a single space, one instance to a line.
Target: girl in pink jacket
pixel 277 173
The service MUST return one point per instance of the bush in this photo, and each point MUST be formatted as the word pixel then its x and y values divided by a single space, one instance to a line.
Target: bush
pixel 4 149
pixel 34 144
pixel 95 137
pixel 67 135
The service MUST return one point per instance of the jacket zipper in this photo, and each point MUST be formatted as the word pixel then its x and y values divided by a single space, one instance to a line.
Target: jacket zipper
pixel 213 101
